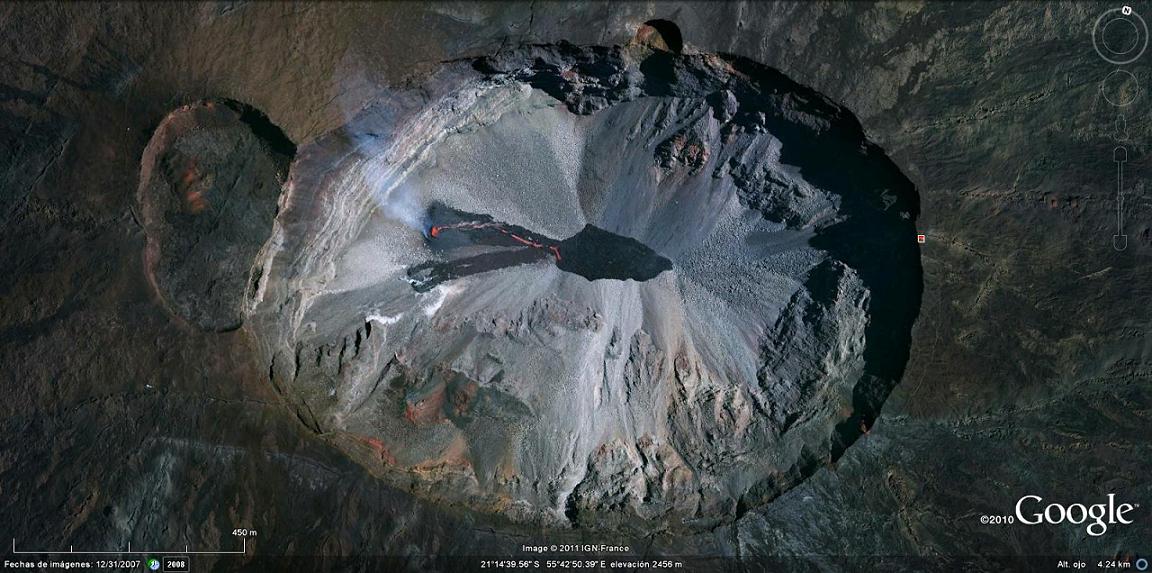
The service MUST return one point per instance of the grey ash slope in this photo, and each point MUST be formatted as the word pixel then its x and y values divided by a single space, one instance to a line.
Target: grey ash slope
pixel 679 402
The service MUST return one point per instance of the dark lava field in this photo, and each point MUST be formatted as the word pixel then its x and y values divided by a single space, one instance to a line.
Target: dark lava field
pixel 412 286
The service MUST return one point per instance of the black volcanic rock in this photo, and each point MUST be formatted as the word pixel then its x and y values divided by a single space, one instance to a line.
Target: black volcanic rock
pixel 595 254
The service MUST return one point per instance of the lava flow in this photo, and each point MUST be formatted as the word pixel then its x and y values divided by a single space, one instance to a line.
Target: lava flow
pixel 593 253
pixel 550 246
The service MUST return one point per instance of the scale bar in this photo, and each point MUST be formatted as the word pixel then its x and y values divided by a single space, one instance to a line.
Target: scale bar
pixel 243 549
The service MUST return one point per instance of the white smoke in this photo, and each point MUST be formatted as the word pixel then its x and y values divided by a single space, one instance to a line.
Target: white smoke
pixel 402 204
pixel 393 196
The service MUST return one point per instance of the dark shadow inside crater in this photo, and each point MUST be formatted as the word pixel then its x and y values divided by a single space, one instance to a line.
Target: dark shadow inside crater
pixel 878 204
pixel 877 241
pixel 669 33
pixel 269 133
pixel 592 253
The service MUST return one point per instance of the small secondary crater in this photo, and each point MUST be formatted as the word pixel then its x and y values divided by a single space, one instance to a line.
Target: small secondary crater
pixel 209 181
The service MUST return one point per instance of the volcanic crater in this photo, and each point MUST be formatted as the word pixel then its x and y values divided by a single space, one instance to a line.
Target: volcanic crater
pixel 585 285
